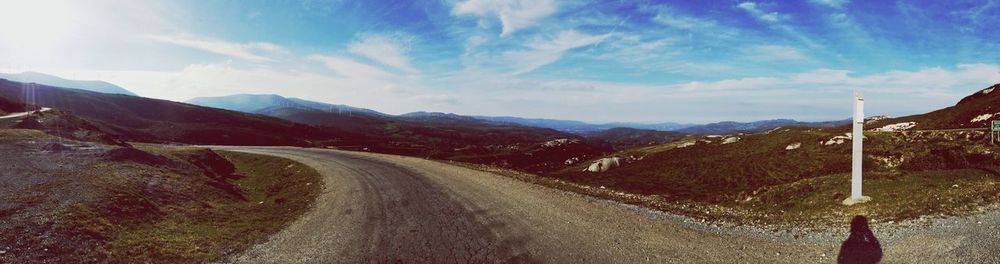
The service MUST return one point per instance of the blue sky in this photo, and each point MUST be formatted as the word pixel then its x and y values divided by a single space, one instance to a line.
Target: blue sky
pixel 644 61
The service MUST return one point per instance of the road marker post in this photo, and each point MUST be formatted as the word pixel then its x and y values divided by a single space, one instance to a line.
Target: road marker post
pixel 994 130
pixel 857 137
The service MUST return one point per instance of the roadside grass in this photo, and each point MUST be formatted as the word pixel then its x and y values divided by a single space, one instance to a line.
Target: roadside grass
pixel 760 180
pixel 275 191
pixel 896 196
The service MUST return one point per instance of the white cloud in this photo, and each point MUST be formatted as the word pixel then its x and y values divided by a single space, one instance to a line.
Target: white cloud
pixel 387 50
pixel 542 51
pixel 731 84
pixel 513 14
pixel 349 68
pixel 838 4
pixel 253 51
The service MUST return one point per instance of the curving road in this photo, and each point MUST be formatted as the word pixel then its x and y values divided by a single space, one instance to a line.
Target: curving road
pixel 384 208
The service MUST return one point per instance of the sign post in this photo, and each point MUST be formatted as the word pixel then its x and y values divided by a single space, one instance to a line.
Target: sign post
pixel 857 137
pixel 994 129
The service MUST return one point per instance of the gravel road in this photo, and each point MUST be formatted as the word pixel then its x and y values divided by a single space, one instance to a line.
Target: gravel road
pixel 384 208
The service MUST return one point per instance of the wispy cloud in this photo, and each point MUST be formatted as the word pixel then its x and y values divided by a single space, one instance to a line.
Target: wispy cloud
pixel 674 19
pixel 542 51
pixel 777 21
pixel 252 51
pixel 387 50
pixel 758 13
pixel 349 68
pixel 837 4
pixel 513 14
pixel 775 52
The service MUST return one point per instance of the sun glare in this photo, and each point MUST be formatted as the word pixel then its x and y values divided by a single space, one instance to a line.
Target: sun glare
pixel 34 25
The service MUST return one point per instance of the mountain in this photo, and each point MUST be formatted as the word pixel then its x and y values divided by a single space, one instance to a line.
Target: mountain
pixel 252 103
pixel 578 126
pixel 141 119
pixel 45 79
pixel 756 126
pixel 977 110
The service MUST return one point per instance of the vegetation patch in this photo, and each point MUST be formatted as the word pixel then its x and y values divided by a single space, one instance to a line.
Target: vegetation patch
pixel 101 203
pixel 273 192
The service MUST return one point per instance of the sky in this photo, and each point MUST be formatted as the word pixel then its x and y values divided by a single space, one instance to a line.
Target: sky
pixel 596 61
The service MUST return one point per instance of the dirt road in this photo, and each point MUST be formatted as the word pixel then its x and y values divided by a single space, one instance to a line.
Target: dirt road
pixel 383 208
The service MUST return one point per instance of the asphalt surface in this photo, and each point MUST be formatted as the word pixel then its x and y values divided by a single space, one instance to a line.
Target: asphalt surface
pixel 382 208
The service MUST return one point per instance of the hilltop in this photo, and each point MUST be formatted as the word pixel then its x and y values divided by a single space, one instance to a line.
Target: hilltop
pixel 975 111
pixel 51 80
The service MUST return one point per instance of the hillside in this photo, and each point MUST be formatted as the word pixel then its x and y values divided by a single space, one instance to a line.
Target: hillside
pixel 453 137
pixel 624 138
pixel 151 120
pixel 764 171
pixel 8 106
pixel 50 80
pixel 975 111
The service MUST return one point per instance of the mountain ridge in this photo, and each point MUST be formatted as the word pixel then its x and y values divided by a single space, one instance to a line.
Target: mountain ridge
pixel 56 81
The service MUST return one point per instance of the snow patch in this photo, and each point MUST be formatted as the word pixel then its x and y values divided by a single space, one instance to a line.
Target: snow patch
pixel 988 90
pixel 686 144
pixel 897 127
pixel 982 117
pixel 730 140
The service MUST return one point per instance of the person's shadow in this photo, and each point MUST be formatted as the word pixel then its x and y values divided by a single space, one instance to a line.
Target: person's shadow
pixel 861 246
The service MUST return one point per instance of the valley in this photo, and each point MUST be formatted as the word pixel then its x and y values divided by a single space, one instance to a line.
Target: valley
pixel 778 175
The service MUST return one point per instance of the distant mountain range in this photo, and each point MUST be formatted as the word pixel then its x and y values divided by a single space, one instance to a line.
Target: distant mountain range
pixel 251 103
pixel 50 80
pixel 756 126
pixel 278 106
pixel 579 127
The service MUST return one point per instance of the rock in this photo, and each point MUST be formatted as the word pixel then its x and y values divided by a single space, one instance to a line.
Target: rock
pixel 559 142
pixel 604 164
pixel 792 146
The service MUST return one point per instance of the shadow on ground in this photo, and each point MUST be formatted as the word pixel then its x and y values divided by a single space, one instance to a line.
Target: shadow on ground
pixel 861 245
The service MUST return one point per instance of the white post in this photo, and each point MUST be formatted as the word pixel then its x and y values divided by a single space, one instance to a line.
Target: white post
pixel 857 137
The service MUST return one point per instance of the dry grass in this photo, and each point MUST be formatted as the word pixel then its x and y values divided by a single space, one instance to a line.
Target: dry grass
pixel 275 192
pixel 92 202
